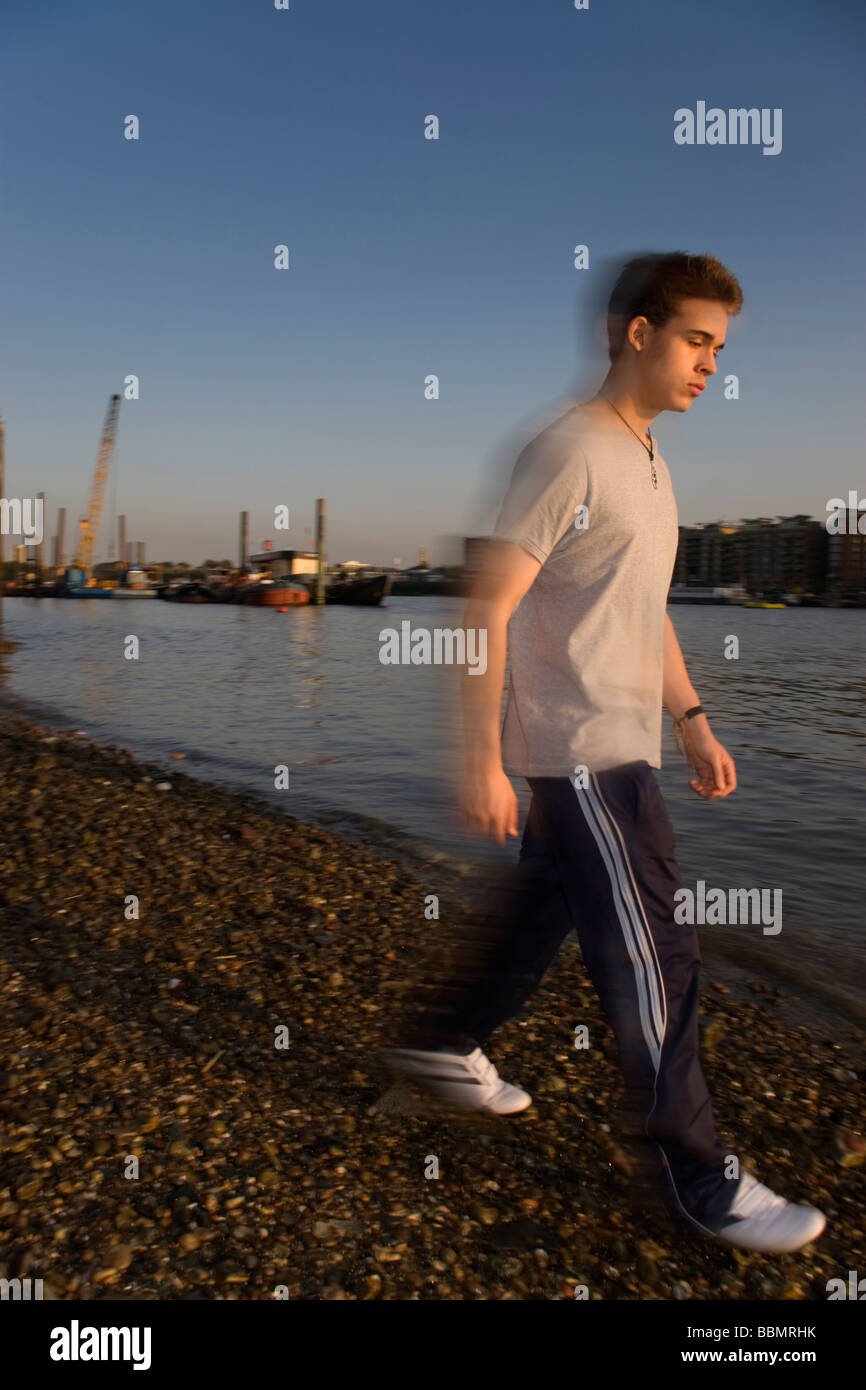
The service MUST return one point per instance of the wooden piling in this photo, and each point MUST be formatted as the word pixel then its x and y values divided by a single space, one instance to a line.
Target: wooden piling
pixel 2 494
pixel 320 549
pixel 40 548
pixel 59 556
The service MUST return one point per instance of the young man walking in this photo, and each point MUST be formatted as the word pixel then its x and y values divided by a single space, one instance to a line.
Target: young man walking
pixel 577 584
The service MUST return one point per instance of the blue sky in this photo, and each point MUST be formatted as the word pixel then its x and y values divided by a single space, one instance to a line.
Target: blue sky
pixel 409 256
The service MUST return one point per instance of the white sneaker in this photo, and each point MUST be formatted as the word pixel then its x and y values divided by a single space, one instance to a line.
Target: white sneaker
pixel 760 1220
pixel 471 1082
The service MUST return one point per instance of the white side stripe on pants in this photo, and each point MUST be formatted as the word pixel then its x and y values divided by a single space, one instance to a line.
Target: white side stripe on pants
pixel 632 918
pixel 638 939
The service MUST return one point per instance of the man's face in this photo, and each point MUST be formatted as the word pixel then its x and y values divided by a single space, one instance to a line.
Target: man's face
pixel 681 356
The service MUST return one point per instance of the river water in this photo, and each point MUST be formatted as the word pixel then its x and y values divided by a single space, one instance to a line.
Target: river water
pixel 371 748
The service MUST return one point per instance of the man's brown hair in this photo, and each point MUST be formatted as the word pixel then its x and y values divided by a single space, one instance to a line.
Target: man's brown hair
pixel 654 285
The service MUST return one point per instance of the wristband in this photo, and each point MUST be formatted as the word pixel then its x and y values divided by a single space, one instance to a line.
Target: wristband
pixel 690 713
pixel 679 725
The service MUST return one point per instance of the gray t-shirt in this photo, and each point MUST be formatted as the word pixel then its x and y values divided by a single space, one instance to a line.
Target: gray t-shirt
pixel 586 642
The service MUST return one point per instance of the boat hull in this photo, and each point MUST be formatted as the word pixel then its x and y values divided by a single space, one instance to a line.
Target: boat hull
pixel 273 596
pixel 706 593
pixel 367 592
pixel 187 593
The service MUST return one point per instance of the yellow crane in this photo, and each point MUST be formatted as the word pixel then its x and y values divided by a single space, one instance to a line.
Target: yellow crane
pixel 89 526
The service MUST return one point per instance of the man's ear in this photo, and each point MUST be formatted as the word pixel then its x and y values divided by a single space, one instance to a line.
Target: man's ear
pixel 637 332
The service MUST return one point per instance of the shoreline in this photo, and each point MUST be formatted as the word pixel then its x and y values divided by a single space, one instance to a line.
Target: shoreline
pixel 813 990
pixel 153 1037
pixel 370 832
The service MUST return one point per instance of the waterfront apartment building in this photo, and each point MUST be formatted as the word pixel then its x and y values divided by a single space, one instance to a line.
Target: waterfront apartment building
pixel 787 553
pixel 784 554
pixel 846 556
pixel 706 556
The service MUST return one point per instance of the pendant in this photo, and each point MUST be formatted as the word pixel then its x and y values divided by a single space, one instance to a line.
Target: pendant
pixel 654 476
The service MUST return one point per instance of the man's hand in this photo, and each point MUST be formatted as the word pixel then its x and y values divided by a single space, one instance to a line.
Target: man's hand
pixel 716 775
pixel 487 799
pixel 712 763
pixel 488 803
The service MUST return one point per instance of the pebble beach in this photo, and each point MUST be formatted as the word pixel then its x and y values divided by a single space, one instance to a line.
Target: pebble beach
pixel 193 989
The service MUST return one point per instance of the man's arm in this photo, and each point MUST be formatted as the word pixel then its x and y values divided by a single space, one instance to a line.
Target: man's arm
pixel 678 693
pixel 488 801
pixel 713 764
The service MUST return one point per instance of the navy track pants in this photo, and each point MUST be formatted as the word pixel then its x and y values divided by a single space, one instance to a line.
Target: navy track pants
pixel 600 859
